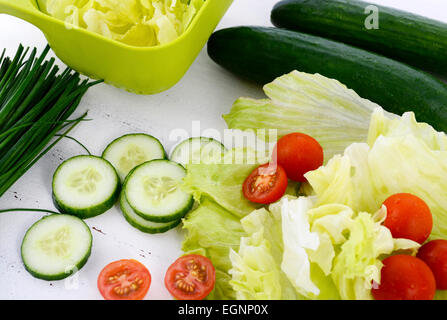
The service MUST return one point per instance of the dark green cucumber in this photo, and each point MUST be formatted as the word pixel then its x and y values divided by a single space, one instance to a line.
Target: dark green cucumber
pixel 262 54
pixel 400 35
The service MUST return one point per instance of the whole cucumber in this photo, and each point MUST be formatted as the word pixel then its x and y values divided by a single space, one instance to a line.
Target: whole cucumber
pixel 262 54
pixel 399 35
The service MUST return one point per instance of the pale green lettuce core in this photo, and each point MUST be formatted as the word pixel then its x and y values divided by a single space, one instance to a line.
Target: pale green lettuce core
pixel 311 104
pixel 140 23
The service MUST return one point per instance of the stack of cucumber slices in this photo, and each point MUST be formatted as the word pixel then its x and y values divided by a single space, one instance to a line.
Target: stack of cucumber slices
pixel 152 200
pixel 133 168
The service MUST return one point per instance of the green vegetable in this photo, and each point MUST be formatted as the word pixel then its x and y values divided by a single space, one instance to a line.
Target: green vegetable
pixel 223 182
pixel 299 245
pixel 214 227
pixel 256 267
pixel 141 23
pixel 399 35
pixel 359 261
pixel 56 246
pixel 85 186
pixel 401 155
pixel 142 224
pixel 298 251
pixel 262 54
pixel 131 150
pixel 35 103
pixel 198 150
pixel 311 104
pixel 212 231
pixel 153 191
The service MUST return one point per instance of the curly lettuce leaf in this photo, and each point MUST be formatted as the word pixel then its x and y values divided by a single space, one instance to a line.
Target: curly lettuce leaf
pixel 299 251
pixel 401 156
pixel 297 239
pixel 312 104
pixel 272 262
pixel 359 262
pixel 213 231
pixel 141 23
pixel 256 270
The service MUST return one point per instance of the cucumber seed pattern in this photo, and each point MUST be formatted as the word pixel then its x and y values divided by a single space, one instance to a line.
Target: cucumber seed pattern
pixel 85 181
pixel 133 157
pixel 158 188
pixel 56 243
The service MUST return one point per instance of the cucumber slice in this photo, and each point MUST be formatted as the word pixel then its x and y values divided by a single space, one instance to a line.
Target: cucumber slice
pixel 131 150
pixel 85 186
pixel 153 191
pixel 141 224
pixel 198 150
pixel 56 247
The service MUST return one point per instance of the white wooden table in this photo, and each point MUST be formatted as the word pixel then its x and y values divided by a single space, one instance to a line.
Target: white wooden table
pixel 204 94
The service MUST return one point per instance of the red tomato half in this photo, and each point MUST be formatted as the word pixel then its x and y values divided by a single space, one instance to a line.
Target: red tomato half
pixel 190 277
pixel 298 154
pixel 266 184
pixel 405 277
pixel 124 280
pixel 434 254
pixel 408 217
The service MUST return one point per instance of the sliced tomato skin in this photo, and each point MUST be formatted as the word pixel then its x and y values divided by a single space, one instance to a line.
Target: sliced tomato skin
pixel 274 192
pixel 135 270
pixel 434 254
pixel 298 153
pixel 409 217
pixel 405 277
pixel 201 288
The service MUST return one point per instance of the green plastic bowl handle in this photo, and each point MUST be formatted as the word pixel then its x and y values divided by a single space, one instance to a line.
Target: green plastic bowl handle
pixel 23 9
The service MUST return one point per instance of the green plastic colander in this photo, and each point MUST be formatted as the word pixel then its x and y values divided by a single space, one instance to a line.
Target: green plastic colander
pixel 141 70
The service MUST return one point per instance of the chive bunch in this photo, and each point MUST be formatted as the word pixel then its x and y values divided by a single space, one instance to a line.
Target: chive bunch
pixel 35 104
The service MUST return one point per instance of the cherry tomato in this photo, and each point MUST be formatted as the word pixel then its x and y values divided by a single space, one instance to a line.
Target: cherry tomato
pixel 434 254
pixel 298 154
pixel 124 280
pixel 266 184
pixel 190 277
pixel 408 217
pixel 405 277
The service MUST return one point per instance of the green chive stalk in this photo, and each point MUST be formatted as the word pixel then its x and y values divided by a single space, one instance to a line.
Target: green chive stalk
pixel 36 102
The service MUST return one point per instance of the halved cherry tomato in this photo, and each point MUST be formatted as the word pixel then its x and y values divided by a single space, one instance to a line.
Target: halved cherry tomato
pixel 266 184
pixel 434 254
pixel 408 217
pixel 298 154
pixel 124 280
pixel 190 277
pixel 405 277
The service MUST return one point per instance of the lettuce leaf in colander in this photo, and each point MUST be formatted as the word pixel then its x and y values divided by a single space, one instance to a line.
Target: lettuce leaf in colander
pixel 134 22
